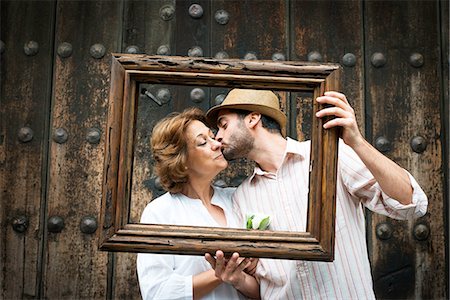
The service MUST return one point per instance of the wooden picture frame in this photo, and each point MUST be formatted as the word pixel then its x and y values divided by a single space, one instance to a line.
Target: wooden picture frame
pixel 129 70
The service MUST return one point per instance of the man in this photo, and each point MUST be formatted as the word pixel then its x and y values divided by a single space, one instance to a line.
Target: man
pixel 250 124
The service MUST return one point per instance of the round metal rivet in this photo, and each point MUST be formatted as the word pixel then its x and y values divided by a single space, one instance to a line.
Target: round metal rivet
pixel 421 232
pixel 60 135
pixel 378 60
pixel 25 134
pixel 349 60
pixel 163 50
pixel 384 231
pixel 2 47
pixel 250 56
pixel 198 95
pixel 382 144
pixel 132 49
pixel 93 135
pixel 196 11
pixel 418 144
pixel 416 60
pixel 219 99
pixel 222 17
pixel 20 224
pixel 314 56
pixel 65 50
pixel 55 224
pixel 166 12
pixel 195 51
pixel 220 183
pixel 163 95
pixel 88 225
pixel 221 55
pixel 278 56
pixel 97 51
pixel 31 48
pixel 158 185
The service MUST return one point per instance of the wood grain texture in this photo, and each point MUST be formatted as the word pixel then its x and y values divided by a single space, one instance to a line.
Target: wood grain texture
pixel 25 102
pixel 81 88
pixel 404 103
pixel 333 29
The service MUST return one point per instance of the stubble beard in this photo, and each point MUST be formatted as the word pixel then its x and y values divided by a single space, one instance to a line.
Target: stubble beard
pixel 239 146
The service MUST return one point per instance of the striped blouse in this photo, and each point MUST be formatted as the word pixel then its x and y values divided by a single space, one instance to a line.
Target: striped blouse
pixel 284 196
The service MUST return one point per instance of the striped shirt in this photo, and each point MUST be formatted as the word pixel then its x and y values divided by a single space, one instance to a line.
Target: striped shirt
pixel 284 196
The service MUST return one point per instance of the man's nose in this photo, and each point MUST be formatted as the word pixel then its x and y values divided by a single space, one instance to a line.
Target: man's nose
pixel 219 135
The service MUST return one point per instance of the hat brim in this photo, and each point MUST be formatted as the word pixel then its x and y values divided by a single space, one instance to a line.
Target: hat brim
pixel 278 116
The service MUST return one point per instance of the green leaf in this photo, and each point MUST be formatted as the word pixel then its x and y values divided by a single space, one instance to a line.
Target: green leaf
pixel 249 221
pixel 264 223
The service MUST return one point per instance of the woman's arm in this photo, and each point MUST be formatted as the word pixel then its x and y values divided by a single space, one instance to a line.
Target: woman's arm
pixel 233 273
pixel 204 283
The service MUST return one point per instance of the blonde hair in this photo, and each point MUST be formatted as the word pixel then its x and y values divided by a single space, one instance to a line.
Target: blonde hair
pixel 169 148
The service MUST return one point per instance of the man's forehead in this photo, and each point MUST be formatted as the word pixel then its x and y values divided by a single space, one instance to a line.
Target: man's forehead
pixel 225 114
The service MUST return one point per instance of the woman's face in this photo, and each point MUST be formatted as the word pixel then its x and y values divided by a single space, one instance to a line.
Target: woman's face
pixel 205 157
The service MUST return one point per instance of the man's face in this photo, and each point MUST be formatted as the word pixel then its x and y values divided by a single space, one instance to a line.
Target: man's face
pixel 234 135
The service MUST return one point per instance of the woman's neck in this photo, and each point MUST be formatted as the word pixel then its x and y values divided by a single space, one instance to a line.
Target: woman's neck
pixel 199 189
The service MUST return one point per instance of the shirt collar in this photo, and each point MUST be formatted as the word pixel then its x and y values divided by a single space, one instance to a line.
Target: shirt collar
pixel 292 147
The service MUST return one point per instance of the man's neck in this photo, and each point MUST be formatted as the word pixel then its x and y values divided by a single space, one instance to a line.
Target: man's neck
pixel 268 151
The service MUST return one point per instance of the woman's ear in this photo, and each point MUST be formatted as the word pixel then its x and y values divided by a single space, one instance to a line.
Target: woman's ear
pixel 253 119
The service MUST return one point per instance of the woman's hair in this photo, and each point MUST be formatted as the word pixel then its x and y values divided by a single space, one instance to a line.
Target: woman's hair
pixel 169 148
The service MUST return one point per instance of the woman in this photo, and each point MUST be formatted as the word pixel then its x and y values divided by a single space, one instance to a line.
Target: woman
pixel 187 158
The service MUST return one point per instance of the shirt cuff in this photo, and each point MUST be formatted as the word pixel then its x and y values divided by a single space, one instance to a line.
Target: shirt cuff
pixel 418 206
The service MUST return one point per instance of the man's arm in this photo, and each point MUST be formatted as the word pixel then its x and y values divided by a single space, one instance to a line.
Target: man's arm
pixel 393 180
pixel 233 273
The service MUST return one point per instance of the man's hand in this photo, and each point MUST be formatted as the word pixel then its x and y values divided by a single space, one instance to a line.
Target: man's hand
pixel 230 271
pixel 344 116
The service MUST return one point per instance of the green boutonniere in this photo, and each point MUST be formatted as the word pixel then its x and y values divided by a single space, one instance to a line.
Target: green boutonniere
pixel 257 221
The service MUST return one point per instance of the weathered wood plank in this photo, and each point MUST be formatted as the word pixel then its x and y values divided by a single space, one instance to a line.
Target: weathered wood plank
pixel 403 103
pixel 150 25
pixel 25 101
pixel 74 267
pixel 320 32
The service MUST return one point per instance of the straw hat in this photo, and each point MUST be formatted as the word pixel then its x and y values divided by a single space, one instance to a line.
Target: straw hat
pixel 262 101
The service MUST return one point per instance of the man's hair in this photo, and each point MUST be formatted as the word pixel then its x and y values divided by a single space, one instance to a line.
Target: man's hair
pixel 267 122
pixel 169 148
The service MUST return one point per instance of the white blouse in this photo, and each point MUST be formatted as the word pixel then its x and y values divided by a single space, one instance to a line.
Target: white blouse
pixel 166 276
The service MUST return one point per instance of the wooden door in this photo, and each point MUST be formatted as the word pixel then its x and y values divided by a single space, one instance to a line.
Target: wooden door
pixel 55 59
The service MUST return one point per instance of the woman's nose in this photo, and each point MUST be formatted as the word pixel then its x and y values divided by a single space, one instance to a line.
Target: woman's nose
pixel 215 144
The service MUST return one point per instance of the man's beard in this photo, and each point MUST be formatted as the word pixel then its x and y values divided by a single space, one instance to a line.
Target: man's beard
pixel 239 145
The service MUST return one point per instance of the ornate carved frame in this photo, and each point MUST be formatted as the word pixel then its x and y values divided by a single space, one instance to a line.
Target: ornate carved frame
pixel 127 71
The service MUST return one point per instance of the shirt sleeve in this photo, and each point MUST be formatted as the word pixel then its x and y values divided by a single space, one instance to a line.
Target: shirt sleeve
pixel 363 187
pixel 157 279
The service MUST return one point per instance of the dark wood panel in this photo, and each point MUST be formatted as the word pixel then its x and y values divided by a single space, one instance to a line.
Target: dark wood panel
pixel 246 30
pixel 151 26
pixel 253 27
pixel 403 102
pixel 328 31
pixel 74 267
pixel 25 101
